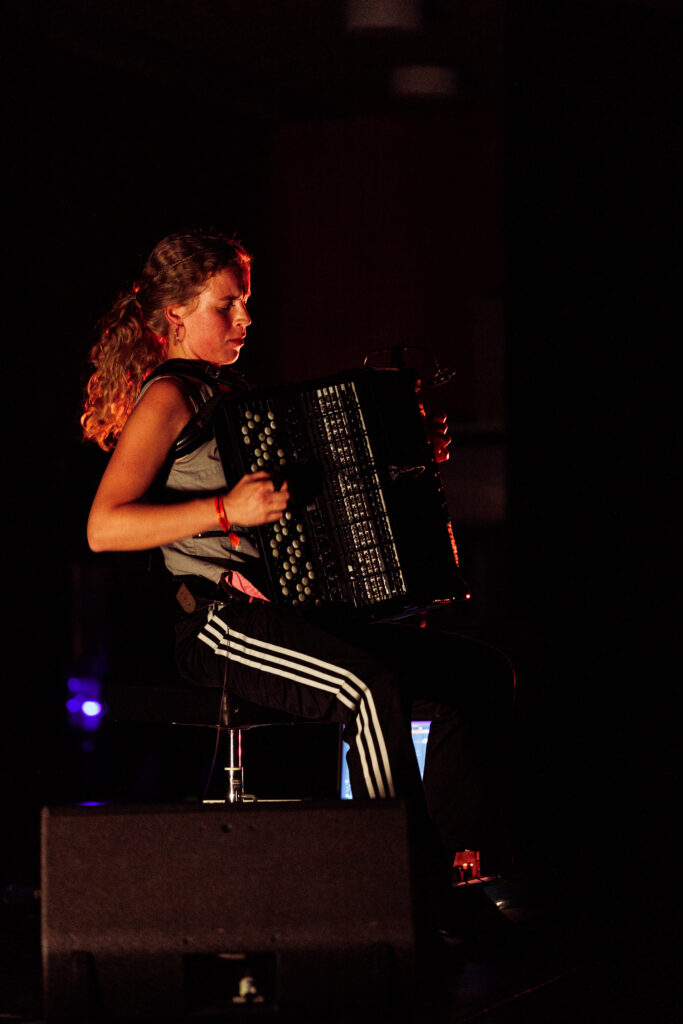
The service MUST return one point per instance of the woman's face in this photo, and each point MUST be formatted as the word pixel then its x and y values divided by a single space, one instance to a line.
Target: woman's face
pixel 213 327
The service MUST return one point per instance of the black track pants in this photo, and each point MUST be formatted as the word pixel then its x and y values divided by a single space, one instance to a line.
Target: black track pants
pixel 374 679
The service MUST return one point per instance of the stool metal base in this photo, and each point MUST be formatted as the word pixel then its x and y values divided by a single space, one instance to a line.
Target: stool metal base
pixel 235 785
pixel 235 772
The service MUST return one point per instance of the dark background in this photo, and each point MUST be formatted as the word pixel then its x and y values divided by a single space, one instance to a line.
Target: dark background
pixel 525 230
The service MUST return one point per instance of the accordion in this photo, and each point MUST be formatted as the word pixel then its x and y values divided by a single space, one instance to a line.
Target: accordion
pixel 367 526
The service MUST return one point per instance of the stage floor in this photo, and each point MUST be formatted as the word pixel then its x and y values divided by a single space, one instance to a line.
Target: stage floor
pixel 517 957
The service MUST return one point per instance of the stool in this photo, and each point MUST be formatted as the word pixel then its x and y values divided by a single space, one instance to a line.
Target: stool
pixel 203 707
pixel 238 716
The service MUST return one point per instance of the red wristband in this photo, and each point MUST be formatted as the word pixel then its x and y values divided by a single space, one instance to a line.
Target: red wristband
pixel 220 513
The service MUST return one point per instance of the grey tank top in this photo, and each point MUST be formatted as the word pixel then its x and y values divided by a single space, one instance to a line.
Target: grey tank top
pixel 197 474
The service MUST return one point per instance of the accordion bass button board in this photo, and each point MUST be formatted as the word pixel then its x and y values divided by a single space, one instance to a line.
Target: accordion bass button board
pixel 368 525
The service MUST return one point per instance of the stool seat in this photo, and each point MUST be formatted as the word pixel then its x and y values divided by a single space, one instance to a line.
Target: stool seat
pixel 177 703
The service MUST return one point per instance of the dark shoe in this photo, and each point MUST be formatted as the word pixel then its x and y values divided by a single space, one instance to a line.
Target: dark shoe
pixel 471 911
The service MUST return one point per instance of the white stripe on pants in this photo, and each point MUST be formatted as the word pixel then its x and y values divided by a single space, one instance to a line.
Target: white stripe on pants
pixel 317 674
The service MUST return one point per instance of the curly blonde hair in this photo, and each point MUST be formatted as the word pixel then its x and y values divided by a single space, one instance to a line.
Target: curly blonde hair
pixel 133 335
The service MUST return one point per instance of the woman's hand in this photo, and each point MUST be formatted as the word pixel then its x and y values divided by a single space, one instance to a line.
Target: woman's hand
pixel 436 427
pixel 437 432
pixel 254 500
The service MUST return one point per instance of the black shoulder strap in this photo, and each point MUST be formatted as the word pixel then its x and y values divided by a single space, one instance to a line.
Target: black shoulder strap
pixel 186 373
pixel 222 376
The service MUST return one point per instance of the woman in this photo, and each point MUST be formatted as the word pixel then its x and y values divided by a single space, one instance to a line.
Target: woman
pixel 165 486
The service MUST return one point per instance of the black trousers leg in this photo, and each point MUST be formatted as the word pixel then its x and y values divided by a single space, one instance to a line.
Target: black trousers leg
pixel 374 679
pixel 466 689
pixel 278 659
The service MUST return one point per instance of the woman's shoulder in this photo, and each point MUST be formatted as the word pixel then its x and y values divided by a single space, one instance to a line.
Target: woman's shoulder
pixel 163 405
pixel 187 401
pixel 169 385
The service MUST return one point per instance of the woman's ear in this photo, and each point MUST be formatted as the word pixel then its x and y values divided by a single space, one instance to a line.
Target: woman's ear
pixel 174 316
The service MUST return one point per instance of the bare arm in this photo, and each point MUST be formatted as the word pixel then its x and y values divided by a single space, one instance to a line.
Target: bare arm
pixel 119 519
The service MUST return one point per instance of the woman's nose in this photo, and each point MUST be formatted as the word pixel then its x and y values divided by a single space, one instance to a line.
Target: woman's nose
pixel 243 314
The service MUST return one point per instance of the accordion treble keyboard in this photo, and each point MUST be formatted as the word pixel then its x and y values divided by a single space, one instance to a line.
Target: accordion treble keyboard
pixel 367 525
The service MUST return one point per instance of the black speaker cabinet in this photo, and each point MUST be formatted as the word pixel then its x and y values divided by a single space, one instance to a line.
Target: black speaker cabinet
pixel 187 912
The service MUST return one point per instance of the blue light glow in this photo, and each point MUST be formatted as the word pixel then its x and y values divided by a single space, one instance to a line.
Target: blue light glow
pixel 84 706
pixel 85 686
pixel 91 708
